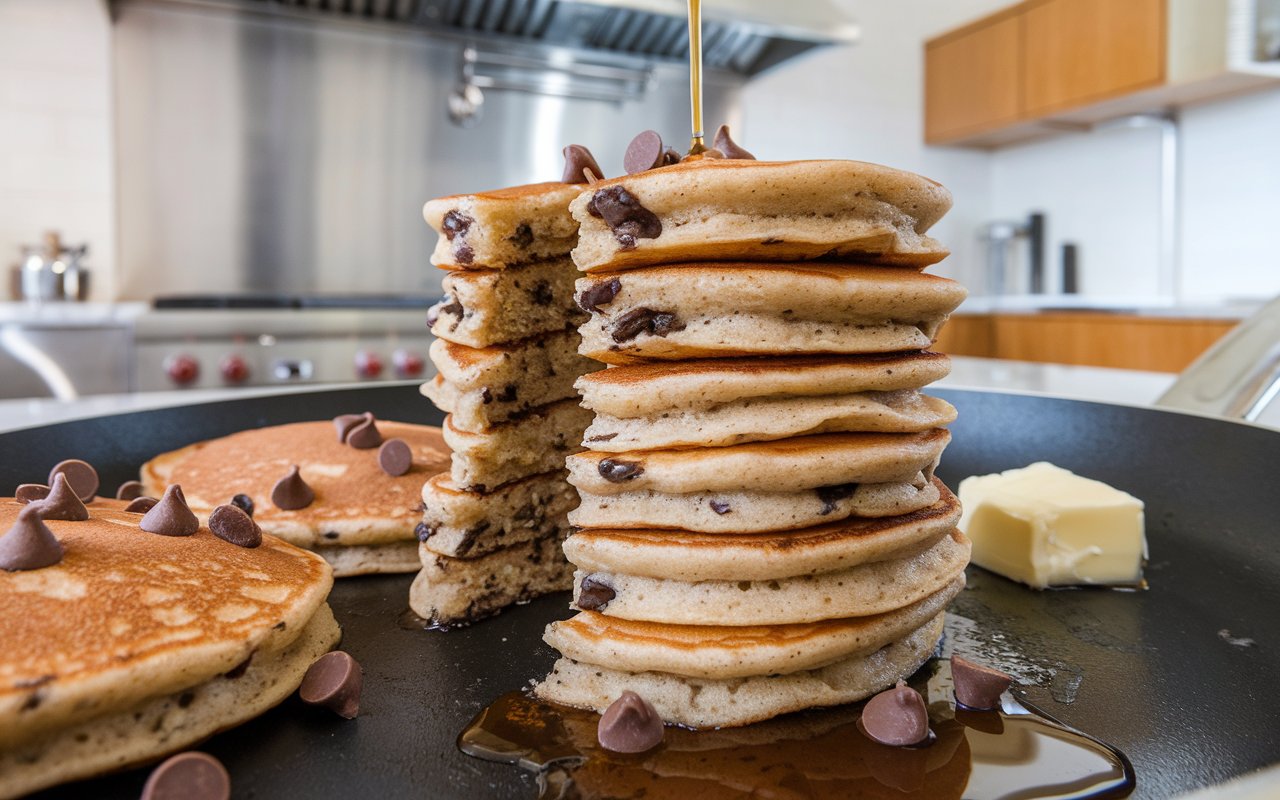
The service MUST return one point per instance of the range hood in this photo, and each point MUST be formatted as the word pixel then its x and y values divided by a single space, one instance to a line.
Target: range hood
pixel 744 37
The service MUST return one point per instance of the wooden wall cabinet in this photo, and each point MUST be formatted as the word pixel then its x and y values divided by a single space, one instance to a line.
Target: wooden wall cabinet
pixel 972 79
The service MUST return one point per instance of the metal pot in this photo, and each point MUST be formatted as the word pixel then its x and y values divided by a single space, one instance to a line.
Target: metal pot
pixel 50 272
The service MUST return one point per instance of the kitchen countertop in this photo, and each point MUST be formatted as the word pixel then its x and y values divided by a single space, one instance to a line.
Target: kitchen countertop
pixel 1154 307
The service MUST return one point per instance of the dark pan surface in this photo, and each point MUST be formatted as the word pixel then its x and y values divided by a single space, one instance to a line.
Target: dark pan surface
pixel 1182 677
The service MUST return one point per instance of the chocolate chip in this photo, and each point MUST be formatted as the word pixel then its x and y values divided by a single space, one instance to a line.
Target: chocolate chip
pixel 523 237
pixel 644 152
pixel 542 293
pixel 594 594
pixel 141 505
pixel 333 681
pixel 603 437
pixel 62 502
pixel 31 492
pixel 29 544
pixel 243 502
pixel 630 725
pixel 463 253
pixel 343 423
pixel 508 394
pixel 80 474
pixel 291 492
pixel 831 495
pixel 486 396
pixel 720 507
pixel 240 669
pixel 188 776
pixel 599 294
pixel 232 524
pixel 644 320
pixel 977 686
pixel 129 490
pixel 896 717
pixel 365 435
pixel 456 223
pixel 624 215
pixel 670 156
pixel 171 516
pixel 616 471
pixel 423 531
pixel 726 145
pixel 394 457
pixel 577 159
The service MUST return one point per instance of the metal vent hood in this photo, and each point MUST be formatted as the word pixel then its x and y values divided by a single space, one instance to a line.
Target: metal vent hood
pixel 744 37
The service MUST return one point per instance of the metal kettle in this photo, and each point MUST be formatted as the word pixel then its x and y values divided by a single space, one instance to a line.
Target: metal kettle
pixel 52 271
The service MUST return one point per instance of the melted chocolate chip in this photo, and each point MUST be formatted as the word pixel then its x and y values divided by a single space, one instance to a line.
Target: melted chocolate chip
pixel 291 492
pixel 486 396
pixel 30 493
pixel 62 502
pixel 831 495
pixel 129 490
pixel 365 434
pixel 141 505
pixel 343 423
pixel 80 474
pixel 240 669
pixel 423 531
pixel 644 152
pixel 720 507
pixel 190 776
pixel 616 471
pixel 977 686
pixel 171 516
pixel 243 502
pixel 624 215
pixel 644 320
pixel 630 725
pixel 231 524
pixel 594 594
pixel 463 253
pixel 523 237
pixel 29 544
pixel 508 394
pixel 394 457
pixel 455 224
pixel 670 156
pixel 896 717
pixel 578 159
pixel 726 145
pixel 542 294
pixel 599 294
pixel 334 682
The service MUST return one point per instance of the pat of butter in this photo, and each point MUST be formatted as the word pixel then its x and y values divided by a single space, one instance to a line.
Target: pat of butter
pixel 1045 526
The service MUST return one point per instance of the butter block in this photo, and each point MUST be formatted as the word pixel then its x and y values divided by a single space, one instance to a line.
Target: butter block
pixel 1046 526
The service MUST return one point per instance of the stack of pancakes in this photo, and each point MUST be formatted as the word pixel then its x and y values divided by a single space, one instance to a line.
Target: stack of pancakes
pixel 507 356
pixel 760 530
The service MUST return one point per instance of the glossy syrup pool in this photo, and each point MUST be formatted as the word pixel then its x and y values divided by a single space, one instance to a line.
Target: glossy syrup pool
pixel 1011 753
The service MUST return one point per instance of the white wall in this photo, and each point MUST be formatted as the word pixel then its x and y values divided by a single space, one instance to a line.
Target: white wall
pixel 55 131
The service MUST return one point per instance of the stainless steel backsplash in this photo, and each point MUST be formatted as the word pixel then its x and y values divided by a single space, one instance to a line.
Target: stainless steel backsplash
pixel 259 154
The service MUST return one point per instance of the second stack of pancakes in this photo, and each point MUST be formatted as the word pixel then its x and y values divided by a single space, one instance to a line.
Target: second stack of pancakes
pixel 760 529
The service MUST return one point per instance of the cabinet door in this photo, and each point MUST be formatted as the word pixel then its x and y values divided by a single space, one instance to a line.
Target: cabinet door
pixel 1079 51
pixel 971 80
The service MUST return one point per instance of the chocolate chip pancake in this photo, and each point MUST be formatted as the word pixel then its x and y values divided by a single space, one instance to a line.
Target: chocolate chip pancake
pixel 137 644
pixel 486 307
pixel 537 441
pixel 703 310
pixel 504 227
pixel 760 211
pixel 360 518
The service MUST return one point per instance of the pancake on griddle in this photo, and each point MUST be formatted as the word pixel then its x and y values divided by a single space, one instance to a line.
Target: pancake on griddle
pixel 362 519
pixel 136 644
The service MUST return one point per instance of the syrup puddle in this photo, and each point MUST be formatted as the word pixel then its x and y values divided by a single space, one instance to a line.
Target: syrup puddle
pixel 1011 753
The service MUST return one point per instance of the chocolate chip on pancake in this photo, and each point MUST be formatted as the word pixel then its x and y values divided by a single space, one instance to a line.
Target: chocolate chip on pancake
pixel 344 423
pixel 670 156
pixel 725 144
pixel 578 159
pixel 830 495
pixel 977 686
pixel 334 681
pixel 645 320
pixel 129 490
pixel 80 474
pixel 720 506
pixel 456 224
pixel 896 717
pixel 365 434
pixel 630 725
pixel 598 295
pixel 31 492
pixel 29 544
pixel 141 505
pixel 243 502
pixel 188 776
pixel 594 594
pixel 232 524
pixel 624 215
pixel 171 516
pixel 617 471
pixel 394 457
pixel 62 502
pixel 644 152
pixel 422 531
pixel 291 492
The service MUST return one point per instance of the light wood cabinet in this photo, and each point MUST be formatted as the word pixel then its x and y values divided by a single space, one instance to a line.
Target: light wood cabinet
pixel 972 79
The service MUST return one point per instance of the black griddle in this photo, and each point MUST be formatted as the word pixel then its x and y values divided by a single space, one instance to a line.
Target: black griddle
pixel 1183 677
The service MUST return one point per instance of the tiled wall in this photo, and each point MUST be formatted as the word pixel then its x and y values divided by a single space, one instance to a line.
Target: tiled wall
pixel 55 131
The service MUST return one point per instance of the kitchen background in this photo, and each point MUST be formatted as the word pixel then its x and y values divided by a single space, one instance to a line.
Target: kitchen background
pixel 204 148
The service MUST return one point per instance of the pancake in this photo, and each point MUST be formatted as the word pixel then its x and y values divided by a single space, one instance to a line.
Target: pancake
pixel 481 387
pixel 689 556
pixel 536 442
pixel 465 524
pixel 703 703
pixel 734 309
pixel 454 591
pixel 760 211
pixel 486 307
pixel 723 652
pixel 356 503
pixel 119 653
pixel 859 591
pixel 503 228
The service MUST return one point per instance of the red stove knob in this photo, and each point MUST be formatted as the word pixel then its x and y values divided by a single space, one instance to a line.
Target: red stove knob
pixel 368 364
pixel 408 364
pixel 234 369
pixel 182 369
